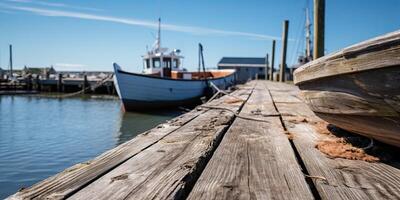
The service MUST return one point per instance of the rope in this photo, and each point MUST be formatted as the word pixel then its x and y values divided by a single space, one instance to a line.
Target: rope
pixel 370 145
pixel 223 92
pixel 98 84
pixel 232 111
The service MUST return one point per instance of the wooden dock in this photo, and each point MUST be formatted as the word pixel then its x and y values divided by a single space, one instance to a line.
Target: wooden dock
pixel 256 143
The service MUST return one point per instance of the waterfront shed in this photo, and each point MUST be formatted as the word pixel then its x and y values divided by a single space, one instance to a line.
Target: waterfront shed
pixel 247 68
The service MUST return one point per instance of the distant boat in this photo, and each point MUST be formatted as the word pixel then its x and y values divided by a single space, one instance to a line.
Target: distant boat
pixel 164 83
pixel 357 88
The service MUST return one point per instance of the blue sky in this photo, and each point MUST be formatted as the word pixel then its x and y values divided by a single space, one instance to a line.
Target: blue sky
pixel 90 35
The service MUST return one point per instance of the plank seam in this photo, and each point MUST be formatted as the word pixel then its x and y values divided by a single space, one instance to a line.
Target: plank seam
pixel 123 161
pixel 191 178
pixel 299 160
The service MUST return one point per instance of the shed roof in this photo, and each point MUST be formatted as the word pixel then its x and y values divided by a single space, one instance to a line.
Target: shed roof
pixel 242 61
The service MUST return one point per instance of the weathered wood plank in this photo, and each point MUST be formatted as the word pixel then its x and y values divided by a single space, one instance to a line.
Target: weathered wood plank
pixel 358 103
pixel 75 177
pixel 287 96
pixel 254 160
pixel 276 86
pixel 336 178
pixel 379 52
pixel 78 176
pixel 166 170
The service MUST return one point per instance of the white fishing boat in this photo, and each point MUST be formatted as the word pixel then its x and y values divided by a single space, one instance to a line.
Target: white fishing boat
pixel 164 82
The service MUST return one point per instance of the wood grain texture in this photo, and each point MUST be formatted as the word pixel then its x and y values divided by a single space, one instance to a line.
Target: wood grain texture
pixel 75 177
pixel 166 169
pixel 347 104
pixel 359 103
pixel 254 160
pixel 384 129
pixel 336 178
pixel 78 176
pixel 380 52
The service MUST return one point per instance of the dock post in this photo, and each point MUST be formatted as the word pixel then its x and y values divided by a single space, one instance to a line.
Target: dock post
pixel 108 88
pixel 29 82
pixel 11 62
pixel 85 84
pixel 319 28
pixel 266 66
pixel 38 86
pixel 282 69
pixel 271 69
pixel 59 83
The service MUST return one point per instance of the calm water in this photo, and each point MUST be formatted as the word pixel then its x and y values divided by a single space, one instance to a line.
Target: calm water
pixel 42 136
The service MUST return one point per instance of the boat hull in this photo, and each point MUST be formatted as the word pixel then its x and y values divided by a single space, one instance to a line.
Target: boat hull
pixel 144 92
pixel 135 105
pixel 357 88
pixel 357 103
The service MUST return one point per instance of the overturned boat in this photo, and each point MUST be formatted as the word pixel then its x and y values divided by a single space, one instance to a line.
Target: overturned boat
pixel 165 83
pixel 357 88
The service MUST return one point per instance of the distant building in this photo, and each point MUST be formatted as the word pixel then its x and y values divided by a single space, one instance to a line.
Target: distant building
pixel 43 71
pixel 246 68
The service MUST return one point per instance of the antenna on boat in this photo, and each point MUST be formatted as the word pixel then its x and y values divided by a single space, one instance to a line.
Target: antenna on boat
pixel 201 60
pixel 158 45
pixel 308 35
pixel 11 62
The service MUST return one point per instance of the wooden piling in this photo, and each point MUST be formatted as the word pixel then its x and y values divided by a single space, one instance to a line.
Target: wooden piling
pixel 85 84
pixel 59 83
pixel 11 62
pixel 271 69
pixel 113 92
pixel 29 83
pixel 282 69
pixel 266 67
pixel 319 28
pixel 38 84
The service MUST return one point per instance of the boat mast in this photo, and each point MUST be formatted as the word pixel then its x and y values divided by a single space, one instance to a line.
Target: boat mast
pixel 11 62
pixel 201 60
pixel 158 43
pixel 308 36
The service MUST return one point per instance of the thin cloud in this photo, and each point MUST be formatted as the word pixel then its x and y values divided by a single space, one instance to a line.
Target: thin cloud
pixel 137 22
pixel 20 1
pixel 51 4
pixel 7 11
pixel 69 65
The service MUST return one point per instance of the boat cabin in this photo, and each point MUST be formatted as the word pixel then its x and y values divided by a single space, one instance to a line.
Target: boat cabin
pixel 162 63
pixel 159 62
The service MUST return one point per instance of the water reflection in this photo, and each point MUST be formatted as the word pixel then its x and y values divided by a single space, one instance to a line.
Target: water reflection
pixel 41 136
pixel 132 123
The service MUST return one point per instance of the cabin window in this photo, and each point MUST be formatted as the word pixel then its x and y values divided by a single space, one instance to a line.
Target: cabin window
pixel 167 62
pixel 156 63
pixel 147 63
pixel 175 63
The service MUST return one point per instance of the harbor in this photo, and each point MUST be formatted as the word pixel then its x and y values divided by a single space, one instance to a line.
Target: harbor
pixel 82 127
pixel 47 80
pixel 222 105
pixel 257 142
